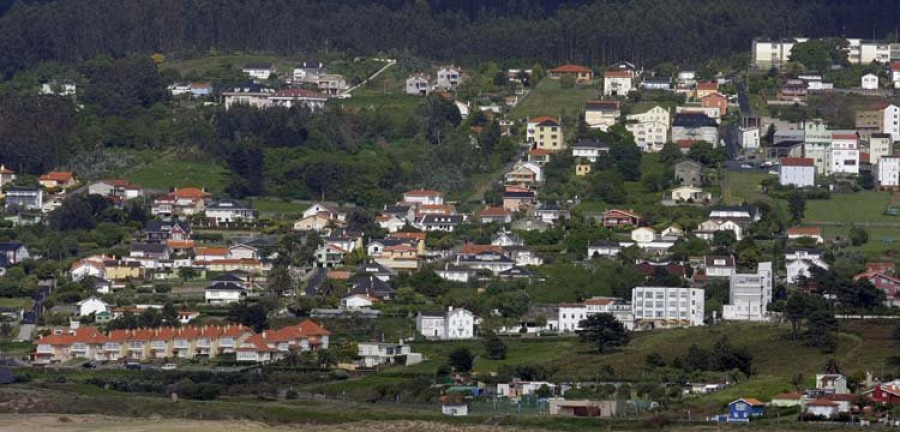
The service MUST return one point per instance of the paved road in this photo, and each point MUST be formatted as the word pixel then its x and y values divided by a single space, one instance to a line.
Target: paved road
pixel 743 99
pixel 25 332
pixel 366 81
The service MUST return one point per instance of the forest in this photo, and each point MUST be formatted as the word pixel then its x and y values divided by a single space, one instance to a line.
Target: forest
pixel 646 32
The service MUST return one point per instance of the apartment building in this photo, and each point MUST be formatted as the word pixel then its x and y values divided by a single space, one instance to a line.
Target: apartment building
pixel 667 307
pixel 749 295
pixel 89 343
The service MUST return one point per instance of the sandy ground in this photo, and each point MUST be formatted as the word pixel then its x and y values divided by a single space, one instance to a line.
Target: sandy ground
pixel 87 423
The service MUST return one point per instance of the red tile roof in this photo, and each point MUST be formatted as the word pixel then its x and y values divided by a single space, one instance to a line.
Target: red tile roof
pixel 895 66
pixel 788 396
pixel 796 161
pixel 540 152
pixel 822 403
pixel 211 251
pixel 707 86
pixel 686 144
pixel 494 212
pixel 543 119
pixel 190 192
pixel 5 170
pixel 423 192
pixel 805 231
pixel 570 69
pixel 865 158
pixel 58 176
pixel 844 136
pixel 753 401
pixel 408 235
pixel 477 249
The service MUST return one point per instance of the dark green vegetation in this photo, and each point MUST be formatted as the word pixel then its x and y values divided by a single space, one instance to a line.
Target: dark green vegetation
pixel 593 32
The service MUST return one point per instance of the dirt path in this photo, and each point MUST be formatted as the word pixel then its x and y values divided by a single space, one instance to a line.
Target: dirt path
pixel 89 423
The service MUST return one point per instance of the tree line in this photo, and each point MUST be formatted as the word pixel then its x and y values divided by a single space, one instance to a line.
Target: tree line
pixel 591 32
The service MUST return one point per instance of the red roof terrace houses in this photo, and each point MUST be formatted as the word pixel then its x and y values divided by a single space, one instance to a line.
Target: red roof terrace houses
pixel 620 218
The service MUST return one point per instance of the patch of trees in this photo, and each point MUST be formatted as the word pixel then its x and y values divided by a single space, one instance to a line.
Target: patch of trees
pixel 604 331
pixel 149 318
pixel 723 357
pixel 591 32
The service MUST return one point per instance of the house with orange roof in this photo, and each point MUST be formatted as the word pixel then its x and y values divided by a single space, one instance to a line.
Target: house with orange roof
pixel 705 88
pixel 539 156
pixel 210 253
pixel 581 74
pixel 58 179
pixel 272 345
pixel 399 257
pixel 814 233
pixel 6 175
pixel 181 202
pixel 89 343
pixel 494 214
pixel 797 171
pixel 329 255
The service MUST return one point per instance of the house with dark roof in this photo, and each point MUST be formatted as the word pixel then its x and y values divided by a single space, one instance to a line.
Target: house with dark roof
pixel 12 253
pixel 163 231
pixel 602 114
pixel 659 83
pixel 695 126
pixel 222 292
pixel 372 286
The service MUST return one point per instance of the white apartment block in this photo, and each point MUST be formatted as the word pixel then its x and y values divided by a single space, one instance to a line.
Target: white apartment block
pixel 888 173
pixel 650 128
pixel 799 172
pixel 667 307
pixel 571 314
pixel 749 295
pixel 766 53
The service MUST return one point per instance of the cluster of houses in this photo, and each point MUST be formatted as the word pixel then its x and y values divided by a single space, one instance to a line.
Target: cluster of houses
pixel 811 149
pixel 310 73
pixel 188 342
pixel 766 53
pixel 447 78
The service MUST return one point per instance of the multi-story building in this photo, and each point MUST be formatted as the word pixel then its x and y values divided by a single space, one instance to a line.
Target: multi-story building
pixel 880 145
pixel 650 126
pixel 889 172
pixel 601 114
pixel 589 149
pixel 229 211
pixel 695 127
pixel 766 53
pixel 418 85
pixel 545 133
pixel 844 153
pixel 24 198
pixel 190 342
pixel 271 345
pixel 453 324
pixel 181 202
pixel 571 314
pixel 749 295
pixel 618 82
pixel 667 307
pixel 448 77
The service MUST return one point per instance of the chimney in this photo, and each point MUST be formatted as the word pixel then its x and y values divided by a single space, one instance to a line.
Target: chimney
pixel 74 324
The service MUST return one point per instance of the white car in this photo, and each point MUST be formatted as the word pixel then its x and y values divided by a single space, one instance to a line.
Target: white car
pixel 746 166
pixel 169 367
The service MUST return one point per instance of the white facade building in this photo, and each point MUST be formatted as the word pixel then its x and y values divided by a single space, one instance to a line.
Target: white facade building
pixel 454 324
pixel 889 172
pixel 650 128
pixel 749 295
pixel 799 172
pixel 799 262
pixel 880 145
pixel 667 307
pixel 92 305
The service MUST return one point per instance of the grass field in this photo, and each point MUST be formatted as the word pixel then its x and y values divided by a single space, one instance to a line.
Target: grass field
pixel 167 172
pixel 865 206
pixel 218 65
pixel 274 205
pixel 547 98
pixel 15 302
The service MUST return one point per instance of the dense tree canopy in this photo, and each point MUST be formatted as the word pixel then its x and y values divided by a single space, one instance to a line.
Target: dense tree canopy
pixel 581 31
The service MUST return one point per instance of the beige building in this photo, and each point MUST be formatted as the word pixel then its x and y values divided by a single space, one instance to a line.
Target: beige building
pixel 546 133
pixel 601 114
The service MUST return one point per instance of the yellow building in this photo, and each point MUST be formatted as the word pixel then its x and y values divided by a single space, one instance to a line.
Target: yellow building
pixel 545 133
pixel 582 168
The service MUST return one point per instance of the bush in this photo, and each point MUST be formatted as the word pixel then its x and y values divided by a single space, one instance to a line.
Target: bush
pixel 291 394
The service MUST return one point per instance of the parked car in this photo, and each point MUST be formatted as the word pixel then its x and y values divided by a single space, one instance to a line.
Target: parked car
pixel 169 367
pixel 89 365
pixel 133 366
pixel 746 166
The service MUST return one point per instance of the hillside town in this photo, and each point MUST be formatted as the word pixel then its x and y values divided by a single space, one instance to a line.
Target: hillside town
pixel 636 242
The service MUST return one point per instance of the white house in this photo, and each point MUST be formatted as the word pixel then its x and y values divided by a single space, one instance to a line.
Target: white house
pixel 799 262
pixel 618 82
pixel 766 53
pixel 888 172
pixel 454 324
pixel 601 114
pixel 448 77
pixel 589 149
pixel 260 71
pixel 604 249
pixel 424 196
pixel 880 145
pixel 455 273
pixel 799 172
pixel 707 229
pixel 92 305
pixel 689 194
pixel 750 295
pixel 357 301
pixel 890 118
pixel 665 307
pixel 692 126
pixel 228 210
pixel 869 82
pixel 650 127
pixel 571 314
pixel 222 292
pixel 418 85
pixel 832 383
pixel 643 235
pixel 372 354
pixel 719 265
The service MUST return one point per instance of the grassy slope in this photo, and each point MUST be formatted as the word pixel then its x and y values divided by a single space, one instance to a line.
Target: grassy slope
pixel 862 347
pixel 547 98
pixel 168 172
